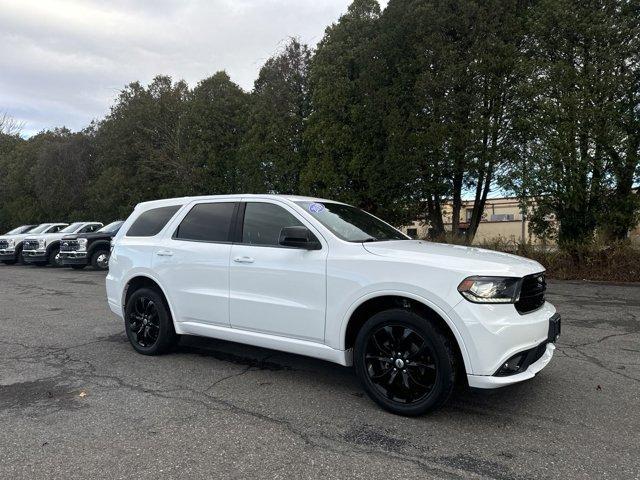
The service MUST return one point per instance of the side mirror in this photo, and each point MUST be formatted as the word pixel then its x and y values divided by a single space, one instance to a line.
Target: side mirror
pixel 299 237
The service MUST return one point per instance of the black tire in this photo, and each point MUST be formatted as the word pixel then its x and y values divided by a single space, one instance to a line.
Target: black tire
pixel 78 267
pixel 54 257
pixel 9 262
pixel 19 257
pixel 97 260
pixel 414 373
pixel 149 328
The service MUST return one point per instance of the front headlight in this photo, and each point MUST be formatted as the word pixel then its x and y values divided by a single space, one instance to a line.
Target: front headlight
pixel 490 289
pixel 82 244
pixel 42 244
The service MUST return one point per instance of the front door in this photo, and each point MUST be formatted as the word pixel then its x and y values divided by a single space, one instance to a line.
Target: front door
pixel 274 289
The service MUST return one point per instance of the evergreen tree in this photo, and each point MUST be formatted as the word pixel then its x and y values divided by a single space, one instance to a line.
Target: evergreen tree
pixel 274 152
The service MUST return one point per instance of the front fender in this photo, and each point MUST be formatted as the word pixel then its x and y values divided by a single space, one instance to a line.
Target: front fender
pixel 459 336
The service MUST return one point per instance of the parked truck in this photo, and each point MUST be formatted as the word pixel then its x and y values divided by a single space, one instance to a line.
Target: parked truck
pixel 82 249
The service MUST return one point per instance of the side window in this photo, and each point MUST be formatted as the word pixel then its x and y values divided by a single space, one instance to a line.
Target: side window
pixel 263 223
pixel 152 221
pixel 89 229
pixel 207 222
pixel 55 229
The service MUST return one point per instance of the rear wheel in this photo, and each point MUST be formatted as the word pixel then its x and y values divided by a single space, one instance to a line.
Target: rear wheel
pixel 404 362
pixel 100 260
pixel 148 323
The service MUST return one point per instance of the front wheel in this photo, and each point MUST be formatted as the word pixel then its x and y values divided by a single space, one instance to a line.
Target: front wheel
pixel 54 258
pixel 406 365
pixel 100 260
pixel 148 323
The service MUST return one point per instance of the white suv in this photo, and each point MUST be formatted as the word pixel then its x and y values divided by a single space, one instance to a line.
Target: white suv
pixel 321 278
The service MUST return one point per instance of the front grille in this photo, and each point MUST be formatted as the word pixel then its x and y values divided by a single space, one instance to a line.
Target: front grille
pixel 69 246
pixel 30 245
pixel 4 244
pixel 531 293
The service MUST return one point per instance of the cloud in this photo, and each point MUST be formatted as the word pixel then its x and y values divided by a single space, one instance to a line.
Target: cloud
pixel 62 62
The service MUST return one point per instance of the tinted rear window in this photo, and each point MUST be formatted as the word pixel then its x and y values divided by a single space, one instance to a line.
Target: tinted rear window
pixel 152 221
pixel 207 222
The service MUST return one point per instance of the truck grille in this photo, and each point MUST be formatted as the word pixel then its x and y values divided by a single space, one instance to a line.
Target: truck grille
pixel 69 246
pixel 4 244
pixel 30 245
pixel 532 293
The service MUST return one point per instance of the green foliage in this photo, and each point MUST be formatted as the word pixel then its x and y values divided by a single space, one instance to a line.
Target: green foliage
pixel 397 111
pixel 274 151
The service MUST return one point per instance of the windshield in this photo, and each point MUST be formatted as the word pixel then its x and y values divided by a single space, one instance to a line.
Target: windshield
pixel 112 227
pixel 40 228
pixel 72 228
pixel 21 229
pixel 350 223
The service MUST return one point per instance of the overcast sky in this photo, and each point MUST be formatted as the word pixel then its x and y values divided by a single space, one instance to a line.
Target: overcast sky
pixel 62 62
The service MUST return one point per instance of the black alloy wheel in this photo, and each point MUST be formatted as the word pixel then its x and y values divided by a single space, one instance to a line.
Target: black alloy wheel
pixel 405 363
pixel 144 322
pixel 148 323
pixel 400 363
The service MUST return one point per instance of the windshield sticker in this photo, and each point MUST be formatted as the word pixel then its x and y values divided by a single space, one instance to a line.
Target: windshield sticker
pixel 316 207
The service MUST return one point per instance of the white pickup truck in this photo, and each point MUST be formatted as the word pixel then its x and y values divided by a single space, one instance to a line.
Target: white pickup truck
pixel 11 242
pixel 43 249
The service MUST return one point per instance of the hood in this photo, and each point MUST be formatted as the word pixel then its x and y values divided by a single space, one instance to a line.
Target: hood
pixel 17 238
pixel 89 236
pixel 47 237
pixel 469 260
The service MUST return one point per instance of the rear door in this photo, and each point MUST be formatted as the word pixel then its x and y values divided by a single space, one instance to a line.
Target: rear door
pixel 274 289
pixel 193 262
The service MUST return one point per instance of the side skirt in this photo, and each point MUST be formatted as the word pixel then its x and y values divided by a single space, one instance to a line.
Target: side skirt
pixel 275 342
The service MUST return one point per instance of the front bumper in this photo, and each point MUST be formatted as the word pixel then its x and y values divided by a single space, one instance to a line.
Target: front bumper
pixel 492 381
pixel 494 333
pixel 73 258
pixel 34 256
pixel 7 255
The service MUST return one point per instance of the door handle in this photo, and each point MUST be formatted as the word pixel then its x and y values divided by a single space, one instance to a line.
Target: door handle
pixel 243 260
pixel 164 253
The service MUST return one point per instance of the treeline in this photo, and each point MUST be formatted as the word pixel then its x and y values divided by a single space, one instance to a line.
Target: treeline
pixel 396 112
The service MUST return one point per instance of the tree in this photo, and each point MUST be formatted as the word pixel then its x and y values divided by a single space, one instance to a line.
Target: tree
pixel 214 126
pixel 138 147
pixel 452 75
pixel 274 151
pixel 345 133
pixel 583 146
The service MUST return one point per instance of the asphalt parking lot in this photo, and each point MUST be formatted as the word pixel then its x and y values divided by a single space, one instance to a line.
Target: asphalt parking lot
pixel 77 402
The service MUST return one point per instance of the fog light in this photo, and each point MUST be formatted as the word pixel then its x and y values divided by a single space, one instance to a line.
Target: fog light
pixel 512 365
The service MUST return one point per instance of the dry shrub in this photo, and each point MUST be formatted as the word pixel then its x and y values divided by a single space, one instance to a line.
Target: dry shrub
pixel 598 261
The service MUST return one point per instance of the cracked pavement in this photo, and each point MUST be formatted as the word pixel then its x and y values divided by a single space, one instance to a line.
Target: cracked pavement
pixel 77 402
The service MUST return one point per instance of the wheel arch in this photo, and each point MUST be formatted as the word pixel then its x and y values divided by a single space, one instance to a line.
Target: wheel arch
pixel 52 245
pixel 367 306
pixel 140 281
pixel 98 245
